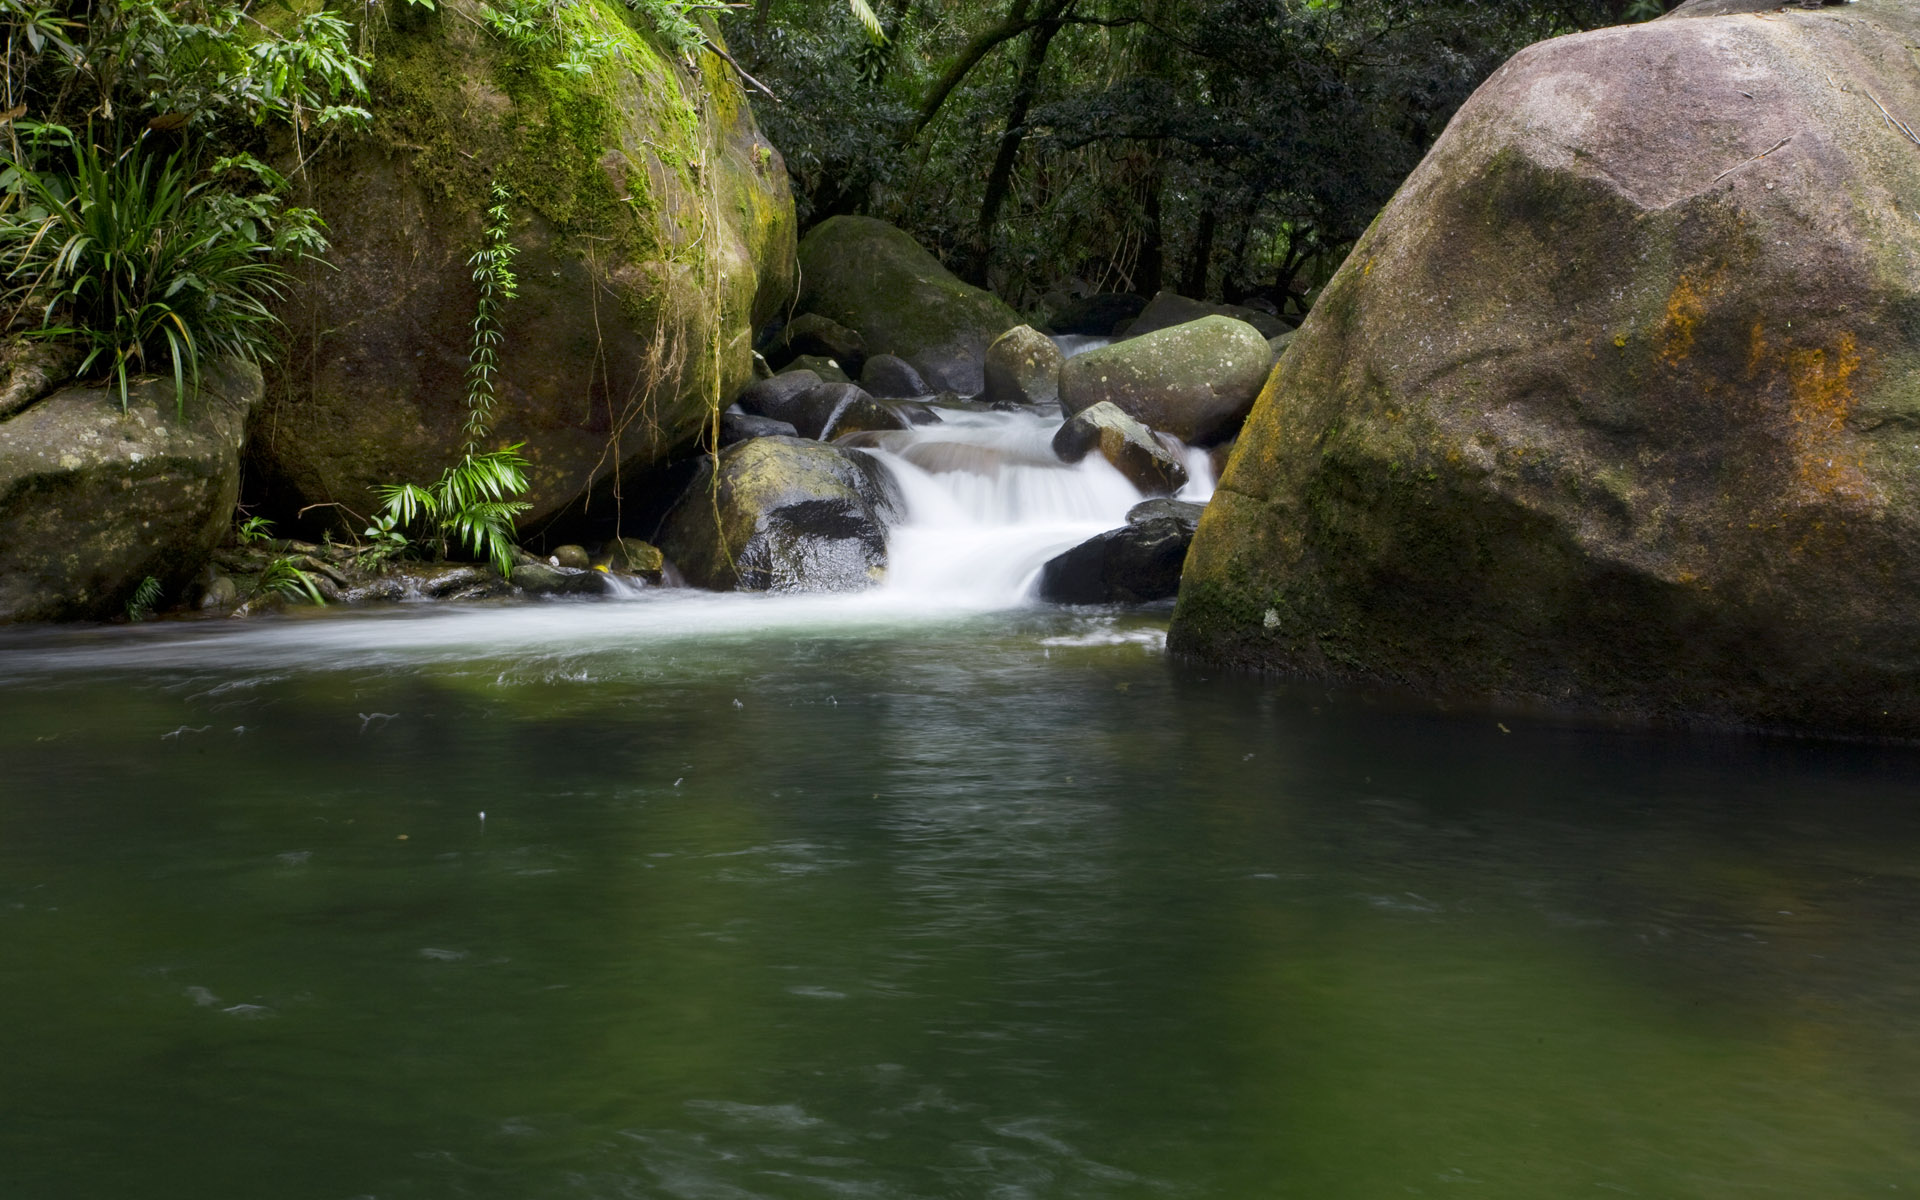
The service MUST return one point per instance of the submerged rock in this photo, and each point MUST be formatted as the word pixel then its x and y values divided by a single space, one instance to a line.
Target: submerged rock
pixel 93 500
pixel 1136 564
pixel 875 279
pixel 1195 381
pixel 1023 368
pixel 1616 402
pixel 783 515
pixel 1130 446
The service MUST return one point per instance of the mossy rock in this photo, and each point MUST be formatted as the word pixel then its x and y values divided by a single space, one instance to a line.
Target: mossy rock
pixel 655 232
pixel 1617 404
pixel 1196 381
pixel 94 499
pixel 876 280
pixel 783 515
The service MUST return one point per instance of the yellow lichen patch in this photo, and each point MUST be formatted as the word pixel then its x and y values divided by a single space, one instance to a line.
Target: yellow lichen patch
pixel 1821 398
pixel 1686 308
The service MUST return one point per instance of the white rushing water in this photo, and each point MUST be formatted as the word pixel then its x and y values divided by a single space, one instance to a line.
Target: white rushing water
pixel 987 504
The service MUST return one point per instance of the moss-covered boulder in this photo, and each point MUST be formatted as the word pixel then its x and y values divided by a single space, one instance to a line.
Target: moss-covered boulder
pixel 875 279
pixel 94 500
pixel 784 515
pixel 1196 381
pixel 655 232
pixel 1618 401
pixel 1023 368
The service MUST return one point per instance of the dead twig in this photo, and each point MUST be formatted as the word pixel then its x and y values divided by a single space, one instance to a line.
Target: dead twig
pixel 1905 130
pixel 1756 158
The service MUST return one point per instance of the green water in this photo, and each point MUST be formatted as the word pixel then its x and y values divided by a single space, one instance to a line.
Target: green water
pixel 986 907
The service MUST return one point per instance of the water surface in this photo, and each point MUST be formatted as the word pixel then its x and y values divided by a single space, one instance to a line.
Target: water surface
pixel 862 898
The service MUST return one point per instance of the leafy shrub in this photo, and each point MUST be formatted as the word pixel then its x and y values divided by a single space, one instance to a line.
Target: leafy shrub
pixel 144 261
pixel 473 503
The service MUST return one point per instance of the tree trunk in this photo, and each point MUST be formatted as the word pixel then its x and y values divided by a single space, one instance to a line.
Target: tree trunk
pixel 1194 282
pixel 1000 178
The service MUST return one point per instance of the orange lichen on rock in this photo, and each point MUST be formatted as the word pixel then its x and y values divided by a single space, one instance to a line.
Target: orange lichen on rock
pixel 1686 306
pixel 1821 399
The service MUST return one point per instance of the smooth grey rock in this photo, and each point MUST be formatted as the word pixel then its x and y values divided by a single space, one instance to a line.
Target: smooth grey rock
pixel 889 376
pixel 1124 442
pixel 1196 381
pixel 1023 368
pixel 93 500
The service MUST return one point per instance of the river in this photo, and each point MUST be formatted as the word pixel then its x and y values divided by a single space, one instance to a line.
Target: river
pixel 928 892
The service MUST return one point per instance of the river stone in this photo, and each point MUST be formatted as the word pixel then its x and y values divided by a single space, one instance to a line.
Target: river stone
pixel 1135 564
pixel 1186 512
pixel 1130 446
pixel 1616 402
pixel 892 377
pixel 787 515
pixel 875 279
pixel 738 427
pixel 815 335
pixel 778 399
pixel 93 500
pixel 545 579
pixel 572 556
pixel 642 276
pixel 1098 315
pixel 1195 381
pixel 631 556
pixel 1023 367
pixel 829 409
pixel 1168 309
pixel 828 369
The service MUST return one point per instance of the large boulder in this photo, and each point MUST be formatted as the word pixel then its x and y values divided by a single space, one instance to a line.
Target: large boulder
pixel 875 279
pixel 655 232
pixel 94 500
pixel 786 515
pixel 1168 309
pixel 1618 402
pixel 1196 381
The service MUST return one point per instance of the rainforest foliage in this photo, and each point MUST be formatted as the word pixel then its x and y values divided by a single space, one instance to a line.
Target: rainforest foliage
pixel 1223 148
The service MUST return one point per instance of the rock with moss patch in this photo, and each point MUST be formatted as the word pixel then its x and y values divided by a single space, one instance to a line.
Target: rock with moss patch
pixel 94 499
pixel 874 278
pixel 31 368
pixel 631 556
pixel 1196 381
pixel 1023 368
pixel 655 232
pixel 1130 446
pixel 1616 403
pixel 783 515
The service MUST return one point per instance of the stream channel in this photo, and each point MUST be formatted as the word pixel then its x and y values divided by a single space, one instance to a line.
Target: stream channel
pixel 930 891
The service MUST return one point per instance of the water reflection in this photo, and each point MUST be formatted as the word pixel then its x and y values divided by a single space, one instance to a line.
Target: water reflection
pixel 1006 906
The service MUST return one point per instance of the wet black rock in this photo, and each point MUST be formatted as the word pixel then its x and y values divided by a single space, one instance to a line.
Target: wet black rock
pixel 1136 564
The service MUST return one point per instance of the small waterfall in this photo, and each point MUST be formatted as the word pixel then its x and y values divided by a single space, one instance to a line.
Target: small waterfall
pixel 987 503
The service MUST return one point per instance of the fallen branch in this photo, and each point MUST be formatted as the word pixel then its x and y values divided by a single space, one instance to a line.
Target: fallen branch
pixel 754 83
pixel 1906 131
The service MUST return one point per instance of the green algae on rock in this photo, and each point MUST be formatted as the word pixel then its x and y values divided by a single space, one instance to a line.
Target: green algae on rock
pixel 875 279
pixel 655 232
pixel 94 499
pixel 1617 403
